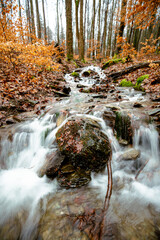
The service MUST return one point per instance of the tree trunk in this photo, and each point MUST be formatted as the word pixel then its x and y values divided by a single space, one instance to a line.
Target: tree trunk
pixel 93 29
pixel 77 22
pixel 105 30
pixel 38 20
pixel 69 34
pixel 81 38
pixel 122 21
pixel 58 40
pixel 109 42
pixel 44 22
pixel 32 18
pixel 99 35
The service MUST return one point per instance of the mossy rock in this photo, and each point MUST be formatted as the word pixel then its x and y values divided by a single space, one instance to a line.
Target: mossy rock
pixel 125 83
pixel 139 88
pixel 112 62
pixel 82 142
pixel 123 126
pixel 75 74
pixel 141 79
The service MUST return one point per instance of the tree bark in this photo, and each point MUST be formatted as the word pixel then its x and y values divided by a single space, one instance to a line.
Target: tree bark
pixel 105 31
pixel 32 18
pixel 38 20
pixel 44 22
pixel 81 38
pixel 99 35
pixel 69 34
pixel 77 22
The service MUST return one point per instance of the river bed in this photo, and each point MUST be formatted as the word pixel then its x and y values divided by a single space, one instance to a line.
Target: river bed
pixel 33 206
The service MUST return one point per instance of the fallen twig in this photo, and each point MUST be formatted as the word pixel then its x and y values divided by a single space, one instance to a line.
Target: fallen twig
pixel 107 199
pixel 141 169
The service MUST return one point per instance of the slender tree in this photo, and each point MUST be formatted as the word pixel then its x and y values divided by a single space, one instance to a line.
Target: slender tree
pixel 38 20
pixel 105 30
pixel 57 8
pixel 32 18
pixel 81 38
pixel 69 33
pixel 44 21
pixel 77 22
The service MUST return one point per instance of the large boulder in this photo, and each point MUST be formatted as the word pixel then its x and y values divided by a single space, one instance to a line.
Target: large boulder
pixel 83 143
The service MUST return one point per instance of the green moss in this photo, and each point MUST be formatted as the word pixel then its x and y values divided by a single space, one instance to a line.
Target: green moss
pixel 141 79
pixel 75 74
pixel 125 83
pixel 113 61
pixel 139 88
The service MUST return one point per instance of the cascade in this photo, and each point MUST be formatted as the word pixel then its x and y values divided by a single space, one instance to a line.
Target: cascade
pixel 23 152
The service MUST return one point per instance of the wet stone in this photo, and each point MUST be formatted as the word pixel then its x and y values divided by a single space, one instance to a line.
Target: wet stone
pixel 84 144
pixel 130 154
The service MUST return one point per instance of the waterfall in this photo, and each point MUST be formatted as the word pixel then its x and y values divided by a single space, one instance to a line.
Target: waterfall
pixel 146 139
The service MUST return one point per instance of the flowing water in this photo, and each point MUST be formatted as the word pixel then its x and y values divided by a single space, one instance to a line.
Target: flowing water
pixel 135 203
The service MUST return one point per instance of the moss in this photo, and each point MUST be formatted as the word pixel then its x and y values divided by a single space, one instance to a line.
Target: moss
pixel 139 88
pixel 141 79
pixel 125 83
pixel 123 126
pixel 113 61
pixel 75 74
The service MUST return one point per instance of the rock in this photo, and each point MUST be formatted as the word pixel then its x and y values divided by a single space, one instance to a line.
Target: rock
pixel 61 94
pixel 109 116
pixel 62 211
pixel 86 74
pixel 84 144
pixel 62 116
pixel 154 112
pixel 123 142
pixel 52 165
pixel 123 126
pixel 66 90
pixel 137 105
pixel 156 98
pixel 130 154
pixel 80 86
pixel 99 96
pixel 10 120
pixel 70 177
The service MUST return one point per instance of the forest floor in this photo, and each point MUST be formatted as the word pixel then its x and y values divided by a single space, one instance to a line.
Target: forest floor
pixel 23 90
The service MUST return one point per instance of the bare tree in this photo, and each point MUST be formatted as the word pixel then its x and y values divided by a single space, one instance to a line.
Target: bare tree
pixel 81 38
pixel 69 34
pixel 38 20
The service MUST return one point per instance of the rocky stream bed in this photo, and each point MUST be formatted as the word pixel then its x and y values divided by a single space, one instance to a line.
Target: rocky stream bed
pixel 53 174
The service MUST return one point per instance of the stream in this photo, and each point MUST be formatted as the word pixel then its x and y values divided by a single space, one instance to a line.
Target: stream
pixel 33 206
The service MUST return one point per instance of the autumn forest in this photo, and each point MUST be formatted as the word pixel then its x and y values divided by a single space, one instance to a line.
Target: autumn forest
pixel 40 40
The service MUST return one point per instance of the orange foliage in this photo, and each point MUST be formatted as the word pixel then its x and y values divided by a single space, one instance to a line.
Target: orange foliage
pixel 15 42
pixel 144 12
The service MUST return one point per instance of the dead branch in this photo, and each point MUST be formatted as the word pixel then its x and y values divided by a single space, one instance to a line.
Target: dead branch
pixel 141 169
pixel 107 199
pixel 118 74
